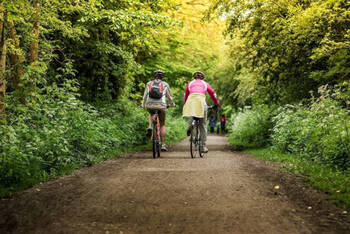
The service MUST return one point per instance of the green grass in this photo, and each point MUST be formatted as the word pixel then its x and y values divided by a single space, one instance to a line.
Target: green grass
pixel 321 177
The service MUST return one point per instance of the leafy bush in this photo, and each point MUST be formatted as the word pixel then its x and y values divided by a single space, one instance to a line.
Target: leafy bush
pixel 59 133
pixel 319 132
pixel 176 127
pixel 250 128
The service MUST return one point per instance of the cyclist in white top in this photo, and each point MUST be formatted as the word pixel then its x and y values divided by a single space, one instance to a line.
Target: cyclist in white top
pixel 154 98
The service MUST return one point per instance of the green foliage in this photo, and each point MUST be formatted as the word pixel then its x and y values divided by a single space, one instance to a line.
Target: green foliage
pixel 119 36
pixel 320 132
pixel 175 127
pixel 101 52
pixel 282 52
pixel 60 133
pixel 288 48
pixel 106 42
pixel 250 128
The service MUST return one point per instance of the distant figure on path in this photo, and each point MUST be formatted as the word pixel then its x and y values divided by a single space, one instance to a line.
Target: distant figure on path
pixel 212 123
pixel 223 124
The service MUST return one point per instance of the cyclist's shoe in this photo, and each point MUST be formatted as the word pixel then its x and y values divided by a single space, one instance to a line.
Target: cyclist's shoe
pixel 205 149
pixel 164 148
pixel 189 130
pixel 149 132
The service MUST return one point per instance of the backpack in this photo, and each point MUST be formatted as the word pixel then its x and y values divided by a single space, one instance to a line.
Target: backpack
pixel 156 90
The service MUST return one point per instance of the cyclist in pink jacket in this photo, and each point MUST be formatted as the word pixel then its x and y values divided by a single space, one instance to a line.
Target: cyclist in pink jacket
pixel 195 104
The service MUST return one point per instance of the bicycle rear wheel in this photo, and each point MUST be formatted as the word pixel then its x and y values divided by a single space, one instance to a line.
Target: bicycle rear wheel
pixel 158 141
pixel 200 144
pixel 194 141
pixel 154 140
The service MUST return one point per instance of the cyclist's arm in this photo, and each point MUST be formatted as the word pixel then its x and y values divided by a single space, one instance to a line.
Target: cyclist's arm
pixel 187 92
pixel 212 94
pixel 145 95
pixel 170 97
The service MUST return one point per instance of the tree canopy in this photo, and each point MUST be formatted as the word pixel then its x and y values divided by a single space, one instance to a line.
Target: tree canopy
pixel 282 50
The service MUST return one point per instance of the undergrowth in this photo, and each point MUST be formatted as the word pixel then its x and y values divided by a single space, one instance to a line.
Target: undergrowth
pixel 250 128
pixel 312 137
pixel 59 133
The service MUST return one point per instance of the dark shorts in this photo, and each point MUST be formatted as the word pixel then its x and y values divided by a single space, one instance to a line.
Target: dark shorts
pixel 161 114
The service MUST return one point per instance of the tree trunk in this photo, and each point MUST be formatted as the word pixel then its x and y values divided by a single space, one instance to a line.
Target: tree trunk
pixel 3 50
pixel 17 63
pixel 34 47
pixel 1 20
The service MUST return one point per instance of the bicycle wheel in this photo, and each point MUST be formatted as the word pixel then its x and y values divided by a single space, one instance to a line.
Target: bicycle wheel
pixel 200 143
pixel 158 141
pixel 154 140
pixel 193 141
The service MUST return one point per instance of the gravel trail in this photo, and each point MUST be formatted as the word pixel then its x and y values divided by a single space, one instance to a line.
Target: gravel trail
pixel 224 192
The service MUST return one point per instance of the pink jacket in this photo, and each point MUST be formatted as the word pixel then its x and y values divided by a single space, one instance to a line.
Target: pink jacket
pixel 200 86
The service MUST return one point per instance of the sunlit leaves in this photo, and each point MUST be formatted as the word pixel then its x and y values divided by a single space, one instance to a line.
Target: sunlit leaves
pixel 293 46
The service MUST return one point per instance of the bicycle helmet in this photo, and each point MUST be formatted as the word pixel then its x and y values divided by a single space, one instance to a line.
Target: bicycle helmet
pixel 158 74
pixel 198 74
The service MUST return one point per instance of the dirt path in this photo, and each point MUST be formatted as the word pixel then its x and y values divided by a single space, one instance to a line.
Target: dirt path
pixel 225 192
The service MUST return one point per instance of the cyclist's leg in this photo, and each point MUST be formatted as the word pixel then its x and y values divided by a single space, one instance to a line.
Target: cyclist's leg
pixel 150 122
pixel 162 116
pixel 190 120
pixel 203 127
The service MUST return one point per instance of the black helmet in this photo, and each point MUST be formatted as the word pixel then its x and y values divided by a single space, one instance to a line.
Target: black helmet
pixel 198 74
pixel 158 74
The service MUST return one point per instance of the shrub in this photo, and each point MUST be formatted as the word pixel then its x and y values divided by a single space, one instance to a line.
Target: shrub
pixel 176 127
pixel 319 131
pixel 250 128
pixel 59 133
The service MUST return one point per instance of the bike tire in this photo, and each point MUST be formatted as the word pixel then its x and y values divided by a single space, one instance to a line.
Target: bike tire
pixel 158 150
pixel 158 142
pixel 193 142
pixel 199 143
pixel 154 141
